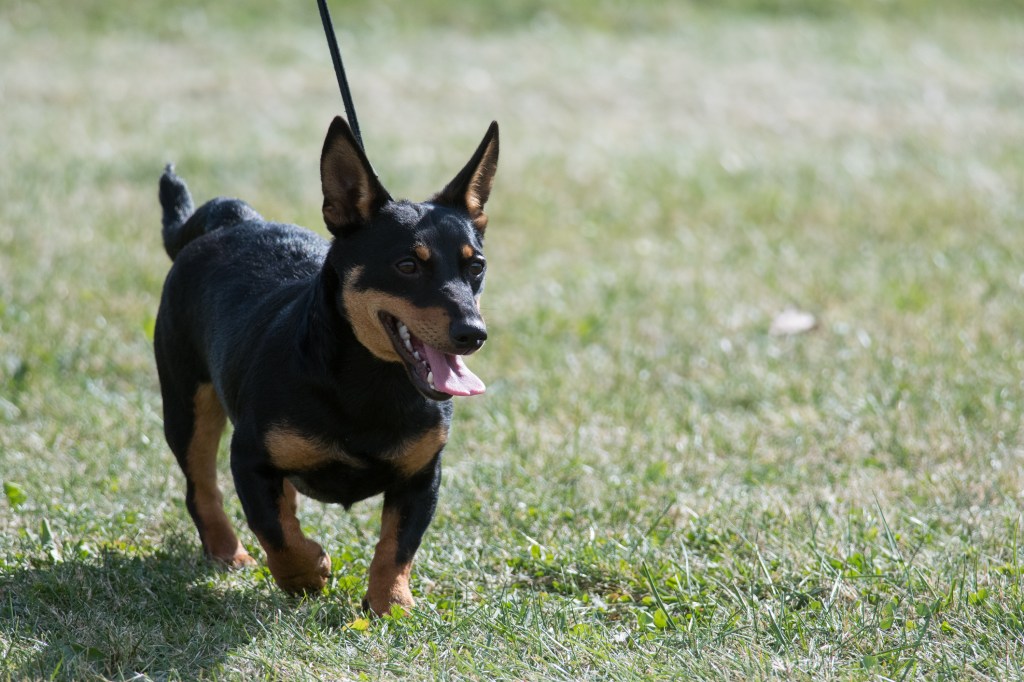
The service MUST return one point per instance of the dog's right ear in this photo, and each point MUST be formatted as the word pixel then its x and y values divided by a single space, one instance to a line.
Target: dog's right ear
pixel 352 192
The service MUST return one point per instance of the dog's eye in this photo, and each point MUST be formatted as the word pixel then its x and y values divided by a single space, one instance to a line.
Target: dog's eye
pixel 407 266
pixel 476 268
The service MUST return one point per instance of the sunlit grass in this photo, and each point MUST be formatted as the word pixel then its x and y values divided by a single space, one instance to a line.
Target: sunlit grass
pixel 655 486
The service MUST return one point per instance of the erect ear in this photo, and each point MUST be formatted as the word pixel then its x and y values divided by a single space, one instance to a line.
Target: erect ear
pixel 472 186
pixel 352 192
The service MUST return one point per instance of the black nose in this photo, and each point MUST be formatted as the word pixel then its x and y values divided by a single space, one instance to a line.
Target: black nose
pixel 468 335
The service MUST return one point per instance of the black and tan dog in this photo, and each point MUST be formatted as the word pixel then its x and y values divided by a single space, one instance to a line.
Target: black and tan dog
pixel 334 362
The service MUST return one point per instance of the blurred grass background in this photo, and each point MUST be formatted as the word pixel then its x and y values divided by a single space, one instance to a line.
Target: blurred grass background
pixel 465 15
pixel 655 486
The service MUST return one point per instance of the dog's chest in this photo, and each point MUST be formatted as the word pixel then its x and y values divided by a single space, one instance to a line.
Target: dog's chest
pixel 298 453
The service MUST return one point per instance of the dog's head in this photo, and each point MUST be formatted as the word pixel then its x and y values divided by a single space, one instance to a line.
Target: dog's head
pixel 410 274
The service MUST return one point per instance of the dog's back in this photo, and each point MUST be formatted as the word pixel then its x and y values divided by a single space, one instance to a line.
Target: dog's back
pixel 233 273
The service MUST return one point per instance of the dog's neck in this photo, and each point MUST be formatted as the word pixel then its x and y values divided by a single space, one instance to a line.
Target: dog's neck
pixel 327 329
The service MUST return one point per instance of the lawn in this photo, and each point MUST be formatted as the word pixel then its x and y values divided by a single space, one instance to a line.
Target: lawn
pixel 656 485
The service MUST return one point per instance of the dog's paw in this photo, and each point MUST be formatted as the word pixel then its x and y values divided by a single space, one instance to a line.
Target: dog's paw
pixel 236 561
pixel 230 556
pixel 380 604
pixel 302 570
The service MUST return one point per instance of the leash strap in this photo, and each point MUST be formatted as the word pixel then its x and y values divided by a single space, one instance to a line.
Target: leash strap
pixel 339 69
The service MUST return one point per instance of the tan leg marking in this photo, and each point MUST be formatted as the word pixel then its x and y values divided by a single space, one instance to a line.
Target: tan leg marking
pixel 291 498
pixel 301 566
pixel 389 580
pixel 218 536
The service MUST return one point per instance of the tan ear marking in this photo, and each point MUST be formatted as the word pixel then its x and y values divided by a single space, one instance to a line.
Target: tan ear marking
pixel 472 186
pixel 352 193
pixel 478 190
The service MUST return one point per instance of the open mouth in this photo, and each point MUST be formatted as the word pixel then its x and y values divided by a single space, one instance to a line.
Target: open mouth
pixel 436 374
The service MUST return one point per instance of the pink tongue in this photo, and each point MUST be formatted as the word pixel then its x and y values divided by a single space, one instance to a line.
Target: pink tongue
pixel 451 375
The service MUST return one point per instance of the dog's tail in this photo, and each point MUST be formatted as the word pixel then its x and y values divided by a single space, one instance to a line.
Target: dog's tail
pixel 182 222
pixel 178 208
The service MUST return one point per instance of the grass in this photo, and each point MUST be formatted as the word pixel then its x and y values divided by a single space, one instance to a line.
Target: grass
pixel 654 486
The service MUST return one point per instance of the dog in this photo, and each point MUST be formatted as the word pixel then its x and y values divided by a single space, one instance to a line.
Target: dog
pixel 335 361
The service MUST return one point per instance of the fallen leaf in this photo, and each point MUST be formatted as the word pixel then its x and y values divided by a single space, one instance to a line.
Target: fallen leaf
pixel 791 322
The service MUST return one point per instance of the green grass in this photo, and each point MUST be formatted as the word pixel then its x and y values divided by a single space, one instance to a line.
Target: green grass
pixel 654 486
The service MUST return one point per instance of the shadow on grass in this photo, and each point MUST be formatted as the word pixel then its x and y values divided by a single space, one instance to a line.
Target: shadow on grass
pixel 169 615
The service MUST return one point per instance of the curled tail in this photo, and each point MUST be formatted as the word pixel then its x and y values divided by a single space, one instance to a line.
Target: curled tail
pixel 182 222
pixel 178 208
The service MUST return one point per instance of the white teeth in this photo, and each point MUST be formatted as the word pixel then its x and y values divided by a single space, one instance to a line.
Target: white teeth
pixel 403 333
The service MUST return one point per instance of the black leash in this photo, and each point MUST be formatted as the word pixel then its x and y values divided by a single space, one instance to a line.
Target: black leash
pixel 339 69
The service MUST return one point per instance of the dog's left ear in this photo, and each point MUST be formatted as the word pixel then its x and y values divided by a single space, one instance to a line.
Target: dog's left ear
pixel 472 186
pixel 352 192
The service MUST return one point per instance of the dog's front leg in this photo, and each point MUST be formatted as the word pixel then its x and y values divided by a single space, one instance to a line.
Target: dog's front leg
pixel 299 565
pixel 408 509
